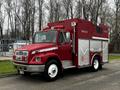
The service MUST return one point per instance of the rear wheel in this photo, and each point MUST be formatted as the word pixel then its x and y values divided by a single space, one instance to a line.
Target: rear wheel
pixel 100 67
pixel 52 70
pixel 95 64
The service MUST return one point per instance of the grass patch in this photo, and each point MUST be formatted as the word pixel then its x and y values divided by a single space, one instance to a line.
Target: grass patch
pixel 114 57
pixel 6 68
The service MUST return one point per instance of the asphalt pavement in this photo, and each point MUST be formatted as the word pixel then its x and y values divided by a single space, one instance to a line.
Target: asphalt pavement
pixel 83 79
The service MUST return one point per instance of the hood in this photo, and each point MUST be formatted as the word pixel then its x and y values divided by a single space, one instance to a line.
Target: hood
pixel 33 47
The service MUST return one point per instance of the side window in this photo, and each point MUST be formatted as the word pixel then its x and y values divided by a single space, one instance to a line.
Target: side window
pixel 67 36
pixel 98 30
pixel 61 38
pixel 64 37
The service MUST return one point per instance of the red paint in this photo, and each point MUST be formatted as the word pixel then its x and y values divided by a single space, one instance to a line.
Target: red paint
pixel 33 47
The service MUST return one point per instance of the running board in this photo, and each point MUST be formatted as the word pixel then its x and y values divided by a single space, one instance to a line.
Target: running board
pixel 69 67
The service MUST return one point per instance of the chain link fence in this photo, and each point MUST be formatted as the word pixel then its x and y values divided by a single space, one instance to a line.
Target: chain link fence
pixel 6 47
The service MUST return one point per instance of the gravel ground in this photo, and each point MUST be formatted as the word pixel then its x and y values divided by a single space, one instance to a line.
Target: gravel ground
pixel 5 58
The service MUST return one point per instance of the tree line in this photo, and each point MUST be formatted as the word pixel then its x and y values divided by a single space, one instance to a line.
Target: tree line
pixel 23 17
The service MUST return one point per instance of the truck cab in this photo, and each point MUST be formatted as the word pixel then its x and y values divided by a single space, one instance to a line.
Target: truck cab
pixel 49 46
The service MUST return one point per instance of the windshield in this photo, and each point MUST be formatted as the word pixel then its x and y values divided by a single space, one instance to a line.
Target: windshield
pixel 45 37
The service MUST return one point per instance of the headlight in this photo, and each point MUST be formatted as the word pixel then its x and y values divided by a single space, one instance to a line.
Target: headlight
pixel 22 53
pixel 37 59
pixel 25 53
pixel 16 52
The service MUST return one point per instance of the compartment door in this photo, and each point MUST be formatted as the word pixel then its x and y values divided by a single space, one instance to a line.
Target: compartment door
pixel 83 52
pixel 105 51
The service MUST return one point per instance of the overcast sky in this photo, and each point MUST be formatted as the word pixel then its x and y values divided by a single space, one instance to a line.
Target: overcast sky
pixel 111 2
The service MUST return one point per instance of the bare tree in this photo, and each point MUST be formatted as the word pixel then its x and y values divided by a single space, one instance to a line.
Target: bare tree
pixel 26 17
pixel 57 10
pixel 1 21
pixel 51 9
pixel 16 21
pixel 32 16
pixel 89 8
pixel 10 16
pixel 54 9
pixel 116 29
pixel 60 9
pixel 72 9
pixel 67 4
pixel 40 2
pixel 78 9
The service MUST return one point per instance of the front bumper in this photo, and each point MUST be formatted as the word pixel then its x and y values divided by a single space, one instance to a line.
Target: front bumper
pixel 29 68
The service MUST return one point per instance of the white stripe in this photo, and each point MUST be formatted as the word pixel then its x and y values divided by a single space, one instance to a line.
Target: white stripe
pixel 100 38
pixel 45 50
pixel 48 49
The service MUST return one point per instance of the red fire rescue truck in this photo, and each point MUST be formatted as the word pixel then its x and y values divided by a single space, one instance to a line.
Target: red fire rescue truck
pixel 73 43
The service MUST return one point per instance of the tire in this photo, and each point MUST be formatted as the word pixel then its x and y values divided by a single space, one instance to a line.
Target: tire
pixel 100 67
pixel 95 64
pixel 26 74
pixel 52 70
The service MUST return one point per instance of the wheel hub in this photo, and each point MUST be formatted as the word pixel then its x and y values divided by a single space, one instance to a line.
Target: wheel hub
pixel 96 64
pixel 53 70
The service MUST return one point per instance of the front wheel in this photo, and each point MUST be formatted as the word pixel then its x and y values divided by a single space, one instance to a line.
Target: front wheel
pixel 52 70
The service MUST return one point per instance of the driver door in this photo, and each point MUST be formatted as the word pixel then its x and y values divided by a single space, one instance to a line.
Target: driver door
pixel 65 49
